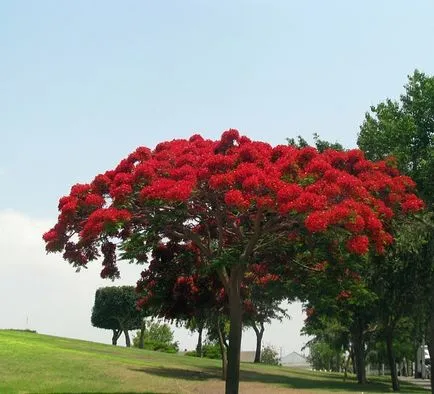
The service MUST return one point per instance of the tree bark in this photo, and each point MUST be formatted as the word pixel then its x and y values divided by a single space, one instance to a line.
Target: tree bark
pixel 431 355
pixel 359 355
pixel 353 359
pixel 115 337
pixel 391 361
pixel 127 338
pixel 223 351
pixel 235 314
pixel 259 334
pixel 347 364
pixel 142 335
pixel 416 366
pixel 199 341
pixel 430 339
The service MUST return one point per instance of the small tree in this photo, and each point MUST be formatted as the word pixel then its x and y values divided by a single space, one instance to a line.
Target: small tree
pixel 115 309
pixel 269 355
pixel 156 336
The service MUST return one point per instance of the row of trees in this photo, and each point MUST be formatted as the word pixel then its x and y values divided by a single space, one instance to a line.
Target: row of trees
pixel 115 308
pixel 386 312
pixel 229 228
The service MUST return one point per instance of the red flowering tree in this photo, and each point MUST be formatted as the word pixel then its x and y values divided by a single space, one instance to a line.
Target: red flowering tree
pixel 231 200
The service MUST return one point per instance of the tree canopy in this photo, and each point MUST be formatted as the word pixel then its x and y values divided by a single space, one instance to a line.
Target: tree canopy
pixel 405 129
pixel 115 308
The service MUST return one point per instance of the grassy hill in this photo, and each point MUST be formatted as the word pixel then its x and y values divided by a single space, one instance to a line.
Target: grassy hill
pixel 34 363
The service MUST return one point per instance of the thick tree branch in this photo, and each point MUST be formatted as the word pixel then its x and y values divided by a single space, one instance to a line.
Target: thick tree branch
pixel 256 329
pixel 220 230
pixel 248 250
pixel 224 277
pixel 305 266
pixel 190 235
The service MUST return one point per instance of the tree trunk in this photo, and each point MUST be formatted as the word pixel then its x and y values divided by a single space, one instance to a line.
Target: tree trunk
pixel 359 355
pixel 391 361
pixel 347 364
pixel 142 335
pixel 199 351
pixel 235 314
pixel 431 356
pixel 259 334
pixel 115 337
pixel 430 340
pixel 127 338
pixel 353 359
pixel 416 366
pixel 223 351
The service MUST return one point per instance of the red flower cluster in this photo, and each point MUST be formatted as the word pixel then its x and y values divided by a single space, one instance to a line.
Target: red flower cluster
pixel 101 220
pixel 343 295
pixel 358 244
pixel 218 189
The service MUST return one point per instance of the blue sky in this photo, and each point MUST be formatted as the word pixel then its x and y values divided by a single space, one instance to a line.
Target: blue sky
pixel 83 83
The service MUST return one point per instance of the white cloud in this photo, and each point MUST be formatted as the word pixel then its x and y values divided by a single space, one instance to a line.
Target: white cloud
pixel 43 292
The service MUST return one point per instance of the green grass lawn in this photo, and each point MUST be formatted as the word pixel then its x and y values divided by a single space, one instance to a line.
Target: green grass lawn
pixel 34 363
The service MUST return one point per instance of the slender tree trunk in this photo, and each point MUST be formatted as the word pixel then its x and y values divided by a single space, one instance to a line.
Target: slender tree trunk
pixel 127 338
pixel 199 351
pixel 223 350
pixel 416 366
pixel 115 337
pixel 431 355
pixel 142 335
pixel 347 363
pixel 353 359
pixel 259 334
pixel 430 339
pixel 359 356
pixel 391 361
pixel 235 314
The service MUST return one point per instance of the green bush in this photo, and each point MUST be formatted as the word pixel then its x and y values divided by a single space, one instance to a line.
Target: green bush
pixel 157 337
pixel 209 350
pixel 269 356
pixel 161 347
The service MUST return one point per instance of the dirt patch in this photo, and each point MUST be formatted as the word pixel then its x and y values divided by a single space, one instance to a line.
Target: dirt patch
pixel 214 387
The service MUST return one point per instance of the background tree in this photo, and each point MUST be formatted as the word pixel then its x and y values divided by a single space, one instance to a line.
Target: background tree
pixel 197 323
pixel 156 336
pixel 233 200
pixel 269 356
pixel 115 308
pixel 405 129
pixel 263 303
pixel 330 342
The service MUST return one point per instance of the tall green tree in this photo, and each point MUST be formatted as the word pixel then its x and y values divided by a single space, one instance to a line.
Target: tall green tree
pixel 115 309
pixel 404 129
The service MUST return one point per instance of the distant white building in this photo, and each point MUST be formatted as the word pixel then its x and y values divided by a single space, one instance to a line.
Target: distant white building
pixel 294 360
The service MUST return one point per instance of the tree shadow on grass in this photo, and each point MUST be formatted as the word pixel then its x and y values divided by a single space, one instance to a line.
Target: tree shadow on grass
pixel 279 378
pixel 180 373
